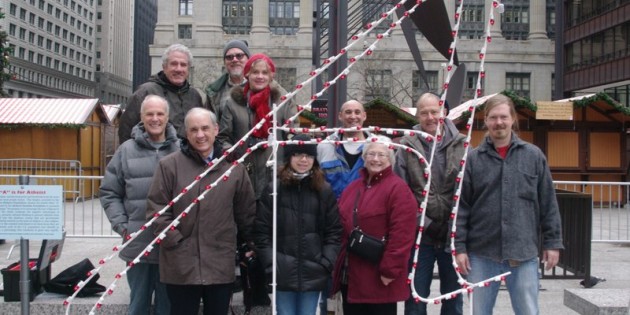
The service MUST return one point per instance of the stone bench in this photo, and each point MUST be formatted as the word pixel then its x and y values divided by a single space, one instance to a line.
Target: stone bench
pixel 598 301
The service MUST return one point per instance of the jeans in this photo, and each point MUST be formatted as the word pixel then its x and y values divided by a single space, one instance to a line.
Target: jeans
pixel 297 303
pixel 427 257
pixel 522 284
pixel 185 298
pixel 144 281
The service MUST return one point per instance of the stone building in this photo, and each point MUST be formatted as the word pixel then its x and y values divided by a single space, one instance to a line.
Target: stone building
pixel 520 56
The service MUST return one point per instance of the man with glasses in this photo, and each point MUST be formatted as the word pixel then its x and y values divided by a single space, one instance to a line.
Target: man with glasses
pixel 444 169
pixel 170 83
pixel 235 56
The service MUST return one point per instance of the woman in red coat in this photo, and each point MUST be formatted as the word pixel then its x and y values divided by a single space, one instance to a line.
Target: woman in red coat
pixel 385 207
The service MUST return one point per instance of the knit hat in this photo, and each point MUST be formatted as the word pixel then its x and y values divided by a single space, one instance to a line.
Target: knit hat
pixel 259 56
pixel 236 43
pixel 291 149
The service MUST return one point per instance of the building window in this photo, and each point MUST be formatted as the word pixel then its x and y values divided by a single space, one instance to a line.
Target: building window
pixel 419 85
pixel 551 19
pixel 99 15
pixel 41 4
pixel 284 17
pixel 12 29
pixel 286 76
pixel 12 9
pixel 185 7
pixel 378 84
pixel 372 10
pixel 23 14
pixel 519 83
pixel 22 33
pixel 237 16
pixel 184 31
pixel 515 21
pixel 472 20
pixel 470 86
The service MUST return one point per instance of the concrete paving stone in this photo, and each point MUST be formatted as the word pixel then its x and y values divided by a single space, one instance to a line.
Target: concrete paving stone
pixel 609 261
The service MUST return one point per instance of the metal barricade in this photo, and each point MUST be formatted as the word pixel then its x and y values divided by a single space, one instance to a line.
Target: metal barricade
pixel 52 169
pixel 610 208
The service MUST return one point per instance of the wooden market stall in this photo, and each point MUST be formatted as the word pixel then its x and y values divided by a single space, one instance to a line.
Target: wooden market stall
pixel 54 137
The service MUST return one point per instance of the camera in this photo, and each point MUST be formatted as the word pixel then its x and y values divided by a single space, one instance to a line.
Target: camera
pixel 241 252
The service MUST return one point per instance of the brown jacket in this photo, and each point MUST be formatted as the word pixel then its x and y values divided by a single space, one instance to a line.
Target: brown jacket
pixel 200 249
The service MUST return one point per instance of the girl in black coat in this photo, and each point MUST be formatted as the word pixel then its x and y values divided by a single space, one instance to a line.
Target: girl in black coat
pixel 308 231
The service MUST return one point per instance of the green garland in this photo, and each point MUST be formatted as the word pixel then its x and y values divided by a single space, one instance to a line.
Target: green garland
pixel 43 126
pixel 393 109
pixel 601 96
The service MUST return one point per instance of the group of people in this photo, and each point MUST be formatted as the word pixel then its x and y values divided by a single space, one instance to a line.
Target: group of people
pixel 170 134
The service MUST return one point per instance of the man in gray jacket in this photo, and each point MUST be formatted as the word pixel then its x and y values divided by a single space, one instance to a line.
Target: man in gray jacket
pixel 445 166
pixel 507 201
pixel 123 195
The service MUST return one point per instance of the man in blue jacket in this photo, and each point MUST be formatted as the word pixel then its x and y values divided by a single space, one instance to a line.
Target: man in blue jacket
pixel 342 163
pixel 507 201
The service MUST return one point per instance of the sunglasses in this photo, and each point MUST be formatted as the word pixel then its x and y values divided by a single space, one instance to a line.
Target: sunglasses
pixel 238 56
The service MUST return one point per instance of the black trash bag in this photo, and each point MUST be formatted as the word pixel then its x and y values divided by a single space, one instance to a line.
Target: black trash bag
pixel 66 280
pixel 253 281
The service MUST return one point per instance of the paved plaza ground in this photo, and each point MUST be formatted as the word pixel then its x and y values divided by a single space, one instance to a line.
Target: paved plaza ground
pixel 609 261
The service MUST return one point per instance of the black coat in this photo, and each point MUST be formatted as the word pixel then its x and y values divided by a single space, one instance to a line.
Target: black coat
pixel 308 235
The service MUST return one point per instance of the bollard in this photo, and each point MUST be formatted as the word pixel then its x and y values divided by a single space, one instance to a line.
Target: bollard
pixel 25 281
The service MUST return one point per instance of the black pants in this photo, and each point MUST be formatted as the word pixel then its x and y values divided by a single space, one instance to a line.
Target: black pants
pixel 185 298
pixel 365 308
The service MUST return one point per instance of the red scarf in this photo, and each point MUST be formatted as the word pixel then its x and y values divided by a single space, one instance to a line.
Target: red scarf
pixel 259 102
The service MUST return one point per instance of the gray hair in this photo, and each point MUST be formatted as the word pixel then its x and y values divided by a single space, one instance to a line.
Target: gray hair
pixel 382 141
pixel 177 47
pixel 155 98
pixel 200 111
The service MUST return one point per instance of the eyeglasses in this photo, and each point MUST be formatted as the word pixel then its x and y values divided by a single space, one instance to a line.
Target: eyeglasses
pixel 301 156
pixel 230 57
pixel 379 155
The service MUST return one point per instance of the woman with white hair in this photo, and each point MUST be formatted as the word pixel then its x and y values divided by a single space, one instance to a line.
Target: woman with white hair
pixel 381 205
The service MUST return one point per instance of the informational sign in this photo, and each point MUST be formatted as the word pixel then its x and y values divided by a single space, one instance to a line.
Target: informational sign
pixel 31 212
pixel 319 108
pixel 554 110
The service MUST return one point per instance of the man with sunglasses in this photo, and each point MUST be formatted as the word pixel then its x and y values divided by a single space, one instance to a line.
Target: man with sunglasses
pixel 235 56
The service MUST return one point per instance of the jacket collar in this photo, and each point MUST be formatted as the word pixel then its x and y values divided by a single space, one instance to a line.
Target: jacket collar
pixel 376 178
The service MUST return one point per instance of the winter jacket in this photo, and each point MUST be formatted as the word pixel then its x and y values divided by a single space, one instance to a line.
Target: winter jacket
pixel 124 189
pixel 444 171
pixel 237 119
pixel 308 235
pixel 180 100
pixel 386 207
pixel 200 249
pixel 334 164
pixel 507 203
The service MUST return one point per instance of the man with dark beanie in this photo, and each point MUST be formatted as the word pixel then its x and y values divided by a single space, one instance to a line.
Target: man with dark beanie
pixel 235 55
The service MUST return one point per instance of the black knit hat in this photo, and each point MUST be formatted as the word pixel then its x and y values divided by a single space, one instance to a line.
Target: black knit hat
pixel 291 149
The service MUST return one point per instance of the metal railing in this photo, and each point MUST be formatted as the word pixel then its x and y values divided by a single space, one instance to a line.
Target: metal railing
pixel 610 208
pixel 84 216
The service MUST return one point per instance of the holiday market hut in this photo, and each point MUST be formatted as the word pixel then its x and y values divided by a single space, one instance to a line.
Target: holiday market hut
pixel 584 138
pixel 54 137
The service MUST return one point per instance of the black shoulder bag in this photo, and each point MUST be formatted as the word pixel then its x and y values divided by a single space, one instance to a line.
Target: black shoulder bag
pixel 363 245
